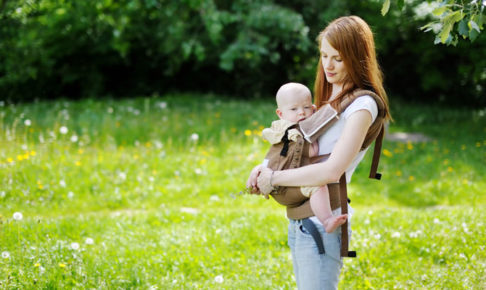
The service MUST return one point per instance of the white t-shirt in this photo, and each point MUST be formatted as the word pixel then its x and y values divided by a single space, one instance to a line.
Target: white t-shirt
pixel 328 140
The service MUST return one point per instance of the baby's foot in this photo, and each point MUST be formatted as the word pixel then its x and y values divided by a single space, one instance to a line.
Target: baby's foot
pixel 333 222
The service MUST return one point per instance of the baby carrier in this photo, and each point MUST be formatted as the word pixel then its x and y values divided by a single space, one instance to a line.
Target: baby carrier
pixel 293 154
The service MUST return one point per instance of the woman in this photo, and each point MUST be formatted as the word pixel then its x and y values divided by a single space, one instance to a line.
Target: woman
pixel 347 63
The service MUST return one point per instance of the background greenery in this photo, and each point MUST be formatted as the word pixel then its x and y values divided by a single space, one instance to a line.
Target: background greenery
pixel 74 49
pixel 145 193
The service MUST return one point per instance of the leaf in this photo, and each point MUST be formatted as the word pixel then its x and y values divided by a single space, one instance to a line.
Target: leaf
pixel 474 25
pixel 473 34
pixel 463 28
pixel 445 32
pixel 385 8
pixel 439 11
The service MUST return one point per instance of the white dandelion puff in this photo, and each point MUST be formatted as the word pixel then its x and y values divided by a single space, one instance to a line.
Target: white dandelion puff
pixel 75 246
pixel 27 122
pixel 89 241
pixel 214 198
pixel 396 235
pixel 63 130
pixel 18 216
pixel 194 137
pixel 219 279
pixel 62 183
pixel 162 105
pixel 74 138
pixel 5 255
pixel 436 221
pixel 70 194
pixel 198 171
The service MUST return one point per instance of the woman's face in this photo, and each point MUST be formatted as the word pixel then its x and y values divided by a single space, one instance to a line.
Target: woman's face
pixel 333 64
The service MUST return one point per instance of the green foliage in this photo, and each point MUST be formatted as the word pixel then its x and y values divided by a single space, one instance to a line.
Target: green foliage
pixel 453 19
pixel 144 193
pixel 74 49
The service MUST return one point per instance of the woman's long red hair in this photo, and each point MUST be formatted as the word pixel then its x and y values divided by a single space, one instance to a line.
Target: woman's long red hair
pixel 352 37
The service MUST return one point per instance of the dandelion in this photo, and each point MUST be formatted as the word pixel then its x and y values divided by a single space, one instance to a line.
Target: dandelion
pixel 450 169
pixel 411 178
pixel 162 105
pixel 194 137
pixel 436 221
pixel 247 132
pixel 27 122
pixel 17 216
pixel 62 265
pixel 214 198
pixel 74 139
pixel 219 279
pixel 478 144
pixel 63 130
pixel 75 246
pixel 398 173
pixel 198 171
pixel 5 255
pixel 37 265
pixel 396 235
pixel 89 241
pixel 77 163
pixel 387 153
pixel 110 110
pixel 62 183
pixel 70 195
pixel 409 145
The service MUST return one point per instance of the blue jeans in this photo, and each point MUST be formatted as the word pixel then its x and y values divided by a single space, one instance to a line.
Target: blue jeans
pixel 314 271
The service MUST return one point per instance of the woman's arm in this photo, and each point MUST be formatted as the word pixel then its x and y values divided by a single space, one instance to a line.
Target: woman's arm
pixel 342 155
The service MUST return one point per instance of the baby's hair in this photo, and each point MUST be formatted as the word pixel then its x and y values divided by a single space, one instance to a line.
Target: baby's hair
pixel 291 89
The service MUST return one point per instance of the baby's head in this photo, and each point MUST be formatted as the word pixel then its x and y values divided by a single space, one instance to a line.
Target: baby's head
pixel 294 102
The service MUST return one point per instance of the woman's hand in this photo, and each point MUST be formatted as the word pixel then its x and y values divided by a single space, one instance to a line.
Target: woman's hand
pixel 251 183
pixel 264 182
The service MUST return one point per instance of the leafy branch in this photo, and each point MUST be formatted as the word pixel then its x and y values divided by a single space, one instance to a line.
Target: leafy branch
pixel 452 19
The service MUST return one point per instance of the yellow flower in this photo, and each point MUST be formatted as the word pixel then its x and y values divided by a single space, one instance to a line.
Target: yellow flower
pixel 148 144
pixel 32 153
pixel 450 169
pixel 37 265
pixel 9 160
pixel 478 144
pixel 411 178
pixel 446 161
pixel 80 151
pixel 78 163
pixel 387 153
pixel 247 132
pixel 233 130
pixel 62 265
pixel 409 145
pixel 463 147
pixel 20 157
pixel 217 114
pixel 398 173
pixel 202 161
pixel 465 181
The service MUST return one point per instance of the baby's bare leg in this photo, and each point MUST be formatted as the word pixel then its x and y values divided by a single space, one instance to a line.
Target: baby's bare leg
pixel 321 207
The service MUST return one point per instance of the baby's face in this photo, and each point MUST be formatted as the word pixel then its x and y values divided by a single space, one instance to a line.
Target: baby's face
pixel 295 108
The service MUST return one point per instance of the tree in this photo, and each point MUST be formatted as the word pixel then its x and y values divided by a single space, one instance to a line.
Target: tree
pixel 452 19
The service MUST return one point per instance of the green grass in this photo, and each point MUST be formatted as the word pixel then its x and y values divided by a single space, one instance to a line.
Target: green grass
pixel 163 207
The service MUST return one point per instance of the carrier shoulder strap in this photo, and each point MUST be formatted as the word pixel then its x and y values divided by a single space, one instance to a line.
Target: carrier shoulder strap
pixel 376 131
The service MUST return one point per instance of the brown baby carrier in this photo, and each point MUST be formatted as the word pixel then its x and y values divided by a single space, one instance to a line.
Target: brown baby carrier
pixel 289 154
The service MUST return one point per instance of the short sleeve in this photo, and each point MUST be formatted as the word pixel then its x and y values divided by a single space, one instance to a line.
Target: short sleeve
pixel 362 103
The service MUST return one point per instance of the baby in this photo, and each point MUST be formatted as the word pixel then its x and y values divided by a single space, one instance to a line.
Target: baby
pixel 294 104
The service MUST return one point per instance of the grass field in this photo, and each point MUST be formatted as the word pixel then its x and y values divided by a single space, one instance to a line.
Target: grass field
pixel 145 193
